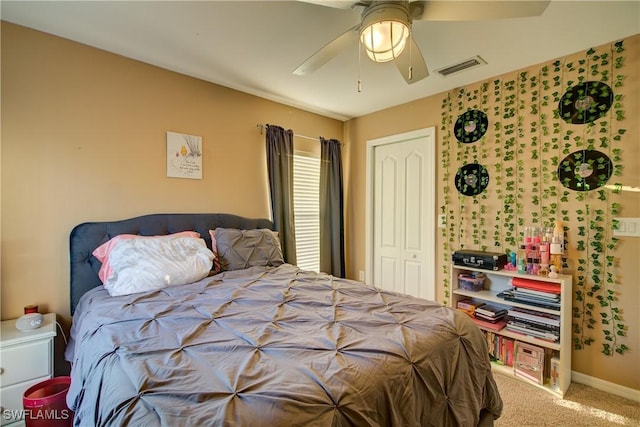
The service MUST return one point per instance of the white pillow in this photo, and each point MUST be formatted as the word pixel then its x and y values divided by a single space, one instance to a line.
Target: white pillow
pixel 141 265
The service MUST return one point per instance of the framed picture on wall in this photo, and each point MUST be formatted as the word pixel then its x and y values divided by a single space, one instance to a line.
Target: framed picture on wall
pixel 184 155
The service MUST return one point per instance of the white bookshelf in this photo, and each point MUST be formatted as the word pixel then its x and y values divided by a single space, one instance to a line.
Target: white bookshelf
pixel 498 281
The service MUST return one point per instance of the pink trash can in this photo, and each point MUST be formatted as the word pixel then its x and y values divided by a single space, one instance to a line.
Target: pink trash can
pixel 45 404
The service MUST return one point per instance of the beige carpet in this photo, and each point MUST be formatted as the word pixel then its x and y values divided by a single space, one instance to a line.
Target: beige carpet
pixel 525 405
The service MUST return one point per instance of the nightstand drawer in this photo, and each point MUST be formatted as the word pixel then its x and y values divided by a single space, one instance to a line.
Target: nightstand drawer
pixel 25 362
pixel 11 398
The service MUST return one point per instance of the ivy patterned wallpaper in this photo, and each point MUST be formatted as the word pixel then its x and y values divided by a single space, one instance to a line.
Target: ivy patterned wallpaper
pixel 525 140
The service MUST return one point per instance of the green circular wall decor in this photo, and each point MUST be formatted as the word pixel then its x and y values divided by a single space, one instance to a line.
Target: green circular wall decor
pixel 585 102
pixel 470 126
pixel 472 179
pixel 585 170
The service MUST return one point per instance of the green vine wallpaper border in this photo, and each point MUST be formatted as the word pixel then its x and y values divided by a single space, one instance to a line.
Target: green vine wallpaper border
pixel 525 143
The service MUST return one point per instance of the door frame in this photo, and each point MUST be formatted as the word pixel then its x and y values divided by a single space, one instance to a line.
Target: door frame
pixel 430 178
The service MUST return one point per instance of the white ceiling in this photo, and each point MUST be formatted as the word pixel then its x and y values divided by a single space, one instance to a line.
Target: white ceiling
pixel 254 46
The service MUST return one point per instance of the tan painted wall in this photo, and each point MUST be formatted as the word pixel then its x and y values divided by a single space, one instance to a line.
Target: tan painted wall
pixel 84 139
pixel 623 370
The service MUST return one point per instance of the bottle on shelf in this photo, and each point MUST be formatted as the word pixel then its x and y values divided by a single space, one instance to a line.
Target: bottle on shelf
pixel 545 245
pixel 535 257
pixel 522 257
pixel 556 248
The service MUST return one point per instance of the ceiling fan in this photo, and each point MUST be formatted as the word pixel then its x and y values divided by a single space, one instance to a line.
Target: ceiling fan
pixel 385 28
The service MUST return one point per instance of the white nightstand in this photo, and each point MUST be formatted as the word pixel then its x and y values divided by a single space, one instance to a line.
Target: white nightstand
pixel 26 358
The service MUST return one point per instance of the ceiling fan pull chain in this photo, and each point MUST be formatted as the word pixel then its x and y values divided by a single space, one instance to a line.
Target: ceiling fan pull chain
pixel 410 55
pixel 359 68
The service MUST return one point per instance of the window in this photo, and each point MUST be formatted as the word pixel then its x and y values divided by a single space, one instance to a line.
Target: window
pixel 306 206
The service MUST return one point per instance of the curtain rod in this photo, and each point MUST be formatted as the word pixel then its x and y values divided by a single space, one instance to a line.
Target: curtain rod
pixel 262 127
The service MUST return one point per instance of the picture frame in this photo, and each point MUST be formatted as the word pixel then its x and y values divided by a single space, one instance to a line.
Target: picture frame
pixel 184 155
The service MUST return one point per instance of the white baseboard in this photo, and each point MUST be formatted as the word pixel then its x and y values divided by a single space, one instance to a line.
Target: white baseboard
pixel 618 390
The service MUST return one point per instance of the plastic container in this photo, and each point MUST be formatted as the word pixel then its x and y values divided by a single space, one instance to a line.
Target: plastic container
pixel 45 404
pixel 471 281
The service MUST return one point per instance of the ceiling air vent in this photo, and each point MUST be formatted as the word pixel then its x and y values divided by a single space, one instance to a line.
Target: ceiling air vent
pixel 464 65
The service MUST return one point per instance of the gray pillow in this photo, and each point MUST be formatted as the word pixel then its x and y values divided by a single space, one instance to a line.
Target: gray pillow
pixel 240 249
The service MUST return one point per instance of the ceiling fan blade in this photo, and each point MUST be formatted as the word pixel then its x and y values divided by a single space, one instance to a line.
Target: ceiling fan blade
pixel 328 52
pixel 411 64
pixel 474 10
pixel 337 4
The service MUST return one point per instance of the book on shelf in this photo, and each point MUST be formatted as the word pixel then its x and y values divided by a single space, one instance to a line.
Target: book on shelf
pixel 536 316
pixel 535 295
pixel 493 326
pixel 492 319
pixel 491 310
pixel 501 348
pixel 533 324
pixel 535 285
pixel 509 296
pixel 535 292
pixel 527 330
pixel 468 306
pixel 533 300
pixel 554 373
pixel 508 346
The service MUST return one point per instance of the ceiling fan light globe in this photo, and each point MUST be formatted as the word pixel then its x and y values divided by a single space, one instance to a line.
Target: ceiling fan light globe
pixel 384 40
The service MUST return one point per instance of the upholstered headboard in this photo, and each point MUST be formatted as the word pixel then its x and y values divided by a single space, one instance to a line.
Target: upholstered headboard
pixel 87 236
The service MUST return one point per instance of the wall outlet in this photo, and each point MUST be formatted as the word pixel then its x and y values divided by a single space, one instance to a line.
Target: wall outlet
pixel 361 275
pixel 629 227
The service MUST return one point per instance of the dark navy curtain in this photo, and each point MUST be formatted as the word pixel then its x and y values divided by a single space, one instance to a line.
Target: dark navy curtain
pixel 331 209
pixel 280 170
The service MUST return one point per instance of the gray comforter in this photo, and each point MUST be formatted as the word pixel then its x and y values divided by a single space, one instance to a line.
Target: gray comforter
pixel 276 347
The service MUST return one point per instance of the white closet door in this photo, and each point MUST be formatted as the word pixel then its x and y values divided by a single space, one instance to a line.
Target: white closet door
pixel 404 214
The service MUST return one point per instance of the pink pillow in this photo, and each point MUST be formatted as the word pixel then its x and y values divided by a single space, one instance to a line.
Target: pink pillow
pixel 102 252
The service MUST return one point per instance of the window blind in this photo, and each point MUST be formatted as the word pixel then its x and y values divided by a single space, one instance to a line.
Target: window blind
pixel 306 206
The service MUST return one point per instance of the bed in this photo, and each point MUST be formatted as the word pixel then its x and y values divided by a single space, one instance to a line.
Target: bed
pixel 263 343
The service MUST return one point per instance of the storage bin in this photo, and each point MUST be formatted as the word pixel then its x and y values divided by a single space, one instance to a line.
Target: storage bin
pixel 471 281
pixel 45 404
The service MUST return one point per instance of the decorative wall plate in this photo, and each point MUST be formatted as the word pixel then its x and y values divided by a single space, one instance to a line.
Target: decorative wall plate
pixel 585 102
pixel 585 170
pixel 472 179
pixel 470 126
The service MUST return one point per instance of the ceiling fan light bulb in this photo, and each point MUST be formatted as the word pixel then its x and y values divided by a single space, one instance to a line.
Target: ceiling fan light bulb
pixel 384 40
